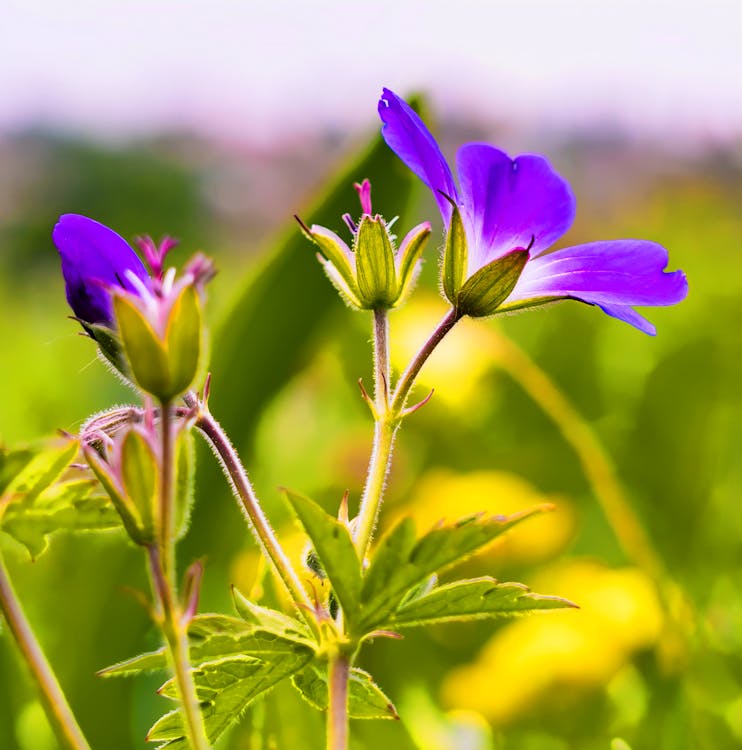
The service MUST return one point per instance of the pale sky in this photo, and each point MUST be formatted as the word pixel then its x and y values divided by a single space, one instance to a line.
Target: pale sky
pixel 257 70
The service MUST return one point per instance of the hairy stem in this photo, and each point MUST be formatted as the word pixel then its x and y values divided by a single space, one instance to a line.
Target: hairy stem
pixel 174 627
pixel 407 379
pixel 167 487
pixel 389 413
pixel 245 494
pixel 337 711
pixel 382 373
pixel 55 704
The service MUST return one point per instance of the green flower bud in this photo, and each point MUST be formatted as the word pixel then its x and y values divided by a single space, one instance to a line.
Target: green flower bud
pixel 373 274
pixel 162 362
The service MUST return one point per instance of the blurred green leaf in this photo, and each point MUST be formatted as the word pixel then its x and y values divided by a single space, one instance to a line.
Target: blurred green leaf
pixel 40 472
pixel 365 698
pixel 476 598
pixel 69 506
pixel 11 464
pixel 261 320
pixel 332 542
pixel 33 506
pixel 401 562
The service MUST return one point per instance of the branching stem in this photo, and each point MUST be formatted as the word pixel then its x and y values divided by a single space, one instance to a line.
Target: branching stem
pixel 389 406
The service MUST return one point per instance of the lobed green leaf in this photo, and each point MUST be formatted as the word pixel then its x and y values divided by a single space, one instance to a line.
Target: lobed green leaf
pixel 226 687
pixel 366 700
pixel 475 598
pixel 214 637
pixel 401 562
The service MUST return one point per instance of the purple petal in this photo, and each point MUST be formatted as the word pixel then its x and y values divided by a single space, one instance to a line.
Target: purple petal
pixel 94 257
pixel 406 134
pixel 507 203
pixel 630 316
pixel 613 274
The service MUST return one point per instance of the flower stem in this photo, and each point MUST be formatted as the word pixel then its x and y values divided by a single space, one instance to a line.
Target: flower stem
pixel 167 487
pixel 245 494
pixel 389 414
pixel 175 629
pixel 407 379
pixel 337 712
pixel 55 704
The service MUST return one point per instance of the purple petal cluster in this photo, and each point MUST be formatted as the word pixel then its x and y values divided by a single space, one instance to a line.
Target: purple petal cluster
pixel 508 204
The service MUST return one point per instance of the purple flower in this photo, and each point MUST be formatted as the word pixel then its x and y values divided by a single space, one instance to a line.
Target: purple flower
pixel 95 260
pixel 517 208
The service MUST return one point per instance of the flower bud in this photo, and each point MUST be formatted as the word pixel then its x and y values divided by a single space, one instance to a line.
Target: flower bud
pixel 373 273
pixel 128 471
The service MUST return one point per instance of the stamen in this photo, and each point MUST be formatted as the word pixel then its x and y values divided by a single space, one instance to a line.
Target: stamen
pixel 348 219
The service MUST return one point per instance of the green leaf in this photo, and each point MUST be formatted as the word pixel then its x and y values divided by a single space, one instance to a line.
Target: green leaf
pixel 476 598
pixel 377 280
pixel 184 336
pixel 67 506
pixel 39 473
pixel 454 257
pixel 270 619
pixel 214 637
pixel 365 698
pixel 334 546
pixel 35 504
pixel 401 563
pixel 486 289
pixel 11 464
pixel 226 687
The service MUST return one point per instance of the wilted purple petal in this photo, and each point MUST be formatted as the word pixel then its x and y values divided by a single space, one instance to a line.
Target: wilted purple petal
pixel 94 257
pixel 507 202
pixel 406 134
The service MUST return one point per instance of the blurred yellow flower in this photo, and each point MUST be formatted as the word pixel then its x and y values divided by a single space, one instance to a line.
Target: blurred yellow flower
pixel 444 494
pixel 620 614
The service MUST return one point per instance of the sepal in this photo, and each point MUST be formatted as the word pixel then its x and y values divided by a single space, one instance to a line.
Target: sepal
pixel 486 289
pixel 454 257
pixel 162 365
pixel 375 267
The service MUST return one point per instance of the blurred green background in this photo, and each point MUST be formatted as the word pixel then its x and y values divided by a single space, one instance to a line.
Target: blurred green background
pixel 216 127
pixel 659 666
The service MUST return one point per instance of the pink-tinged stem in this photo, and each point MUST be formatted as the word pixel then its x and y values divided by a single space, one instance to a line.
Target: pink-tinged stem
pixel 337 712
pixel 243 491
pixel 174 627
pixel 55 704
